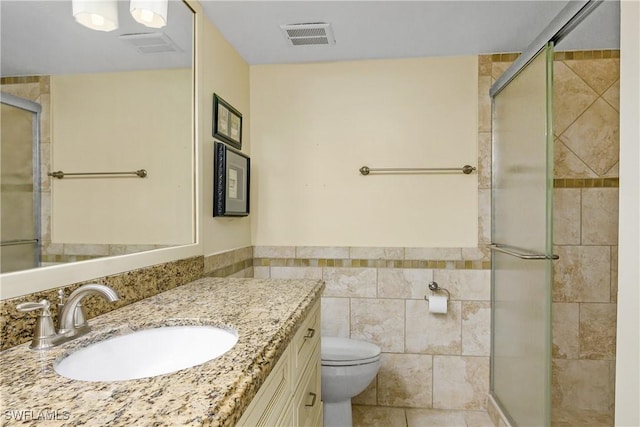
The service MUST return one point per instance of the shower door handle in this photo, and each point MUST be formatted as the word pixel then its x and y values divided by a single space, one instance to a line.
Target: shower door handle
pixel 520 253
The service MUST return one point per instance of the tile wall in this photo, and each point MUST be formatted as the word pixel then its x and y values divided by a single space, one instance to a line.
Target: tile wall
pixel 587 98
pixel 377 294
pixel 56 253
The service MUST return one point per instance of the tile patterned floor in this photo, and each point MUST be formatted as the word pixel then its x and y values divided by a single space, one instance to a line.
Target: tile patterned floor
pixel 380 416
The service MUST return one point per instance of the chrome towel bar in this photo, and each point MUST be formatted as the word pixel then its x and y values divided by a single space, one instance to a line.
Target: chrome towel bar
pixel 59 174
pixel 466 169
pixel 520 253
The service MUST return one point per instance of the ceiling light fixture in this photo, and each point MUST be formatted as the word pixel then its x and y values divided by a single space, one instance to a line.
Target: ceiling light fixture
pixel 100 15
pixel 152 13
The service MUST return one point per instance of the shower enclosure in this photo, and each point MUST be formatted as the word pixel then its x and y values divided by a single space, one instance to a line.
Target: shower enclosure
pixel 19 184
pixel 522 227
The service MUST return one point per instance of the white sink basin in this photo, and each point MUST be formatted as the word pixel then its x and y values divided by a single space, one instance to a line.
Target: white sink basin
pixel 147 353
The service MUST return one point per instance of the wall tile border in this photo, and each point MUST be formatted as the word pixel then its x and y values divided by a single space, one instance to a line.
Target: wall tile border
pixel 418 258
pixel 70 252
pixel 562 56
pixel 19 80
pixel 372 263
pixel 504 57
pixel 587 54
pixel 236 262
pixel 586 183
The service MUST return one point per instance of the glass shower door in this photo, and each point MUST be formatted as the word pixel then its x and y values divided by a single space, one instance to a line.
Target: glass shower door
pixel 19 185
pixel 522 243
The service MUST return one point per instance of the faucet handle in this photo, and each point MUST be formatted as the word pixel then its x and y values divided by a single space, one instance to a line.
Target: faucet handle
pixel 44 331
pixel 32 306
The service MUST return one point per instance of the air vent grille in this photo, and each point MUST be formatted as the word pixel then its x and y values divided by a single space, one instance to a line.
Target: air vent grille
pixel 306 32
pixel 308 41
pixel 150 43
pixel 315 33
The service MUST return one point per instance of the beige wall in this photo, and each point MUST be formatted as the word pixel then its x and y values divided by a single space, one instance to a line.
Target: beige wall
pixel 224 72
pixel 315 125
pixel 154 210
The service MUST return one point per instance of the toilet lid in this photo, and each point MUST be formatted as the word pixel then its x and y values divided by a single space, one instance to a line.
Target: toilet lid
pixel 345 351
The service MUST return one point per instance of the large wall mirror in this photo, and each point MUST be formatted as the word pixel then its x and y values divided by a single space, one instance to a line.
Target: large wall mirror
pixel 78 100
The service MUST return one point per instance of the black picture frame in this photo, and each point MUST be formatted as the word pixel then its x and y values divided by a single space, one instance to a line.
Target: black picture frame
pixel 231 182
pixel 227 123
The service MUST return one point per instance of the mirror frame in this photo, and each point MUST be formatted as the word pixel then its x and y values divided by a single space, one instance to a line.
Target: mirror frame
pixel 26 282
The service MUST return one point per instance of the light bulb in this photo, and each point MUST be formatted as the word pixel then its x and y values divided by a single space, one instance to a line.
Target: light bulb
pixel 146 15
pixel 100 15
pixel 97 20
pixel 152 13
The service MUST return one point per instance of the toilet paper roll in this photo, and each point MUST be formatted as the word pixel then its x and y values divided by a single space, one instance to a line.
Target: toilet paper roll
pixel 437 304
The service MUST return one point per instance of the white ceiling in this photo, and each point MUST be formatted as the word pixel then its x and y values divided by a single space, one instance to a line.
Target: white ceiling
pixel 40 37
pixel 394 29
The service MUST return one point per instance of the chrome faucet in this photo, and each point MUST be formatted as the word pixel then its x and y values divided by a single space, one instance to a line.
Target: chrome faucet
pixel 72 320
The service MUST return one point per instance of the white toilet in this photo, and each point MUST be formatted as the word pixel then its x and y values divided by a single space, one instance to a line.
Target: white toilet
pixel 348 366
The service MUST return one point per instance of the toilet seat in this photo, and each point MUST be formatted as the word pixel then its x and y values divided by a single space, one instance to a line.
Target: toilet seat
pixel 348 352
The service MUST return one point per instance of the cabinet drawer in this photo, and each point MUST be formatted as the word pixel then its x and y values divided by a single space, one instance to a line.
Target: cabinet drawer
pixel 268 404
pixel 308 409
pixel 305 341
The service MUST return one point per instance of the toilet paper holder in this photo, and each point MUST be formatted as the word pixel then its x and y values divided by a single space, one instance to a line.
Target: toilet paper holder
pixel 434 287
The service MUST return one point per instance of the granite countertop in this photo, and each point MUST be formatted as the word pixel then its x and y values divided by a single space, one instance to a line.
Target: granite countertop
pixel 265 313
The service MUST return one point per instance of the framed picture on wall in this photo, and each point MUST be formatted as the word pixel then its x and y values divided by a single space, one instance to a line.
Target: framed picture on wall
pixel 227 123
pixel 231 179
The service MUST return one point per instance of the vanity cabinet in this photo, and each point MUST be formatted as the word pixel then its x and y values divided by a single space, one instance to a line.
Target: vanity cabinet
pixel 290 396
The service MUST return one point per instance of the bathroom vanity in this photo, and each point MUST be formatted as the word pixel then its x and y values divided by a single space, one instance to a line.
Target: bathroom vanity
pixel 291 394
pixel 271 376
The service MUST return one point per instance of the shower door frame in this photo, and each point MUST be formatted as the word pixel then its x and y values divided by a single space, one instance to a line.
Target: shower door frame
pixel 36 110
pixel 533 318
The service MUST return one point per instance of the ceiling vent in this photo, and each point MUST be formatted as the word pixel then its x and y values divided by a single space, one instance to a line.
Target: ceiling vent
pixel 315 33
pixel 150 43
